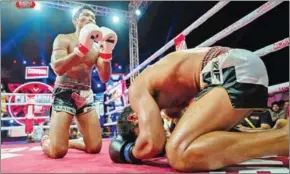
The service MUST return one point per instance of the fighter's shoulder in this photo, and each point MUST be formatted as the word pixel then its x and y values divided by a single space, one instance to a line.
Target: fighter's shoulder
pixel 63 37
pixel 140 84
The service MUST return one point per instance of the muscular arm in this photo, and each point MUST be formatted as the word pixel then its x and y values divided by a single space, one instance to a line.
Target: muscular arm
pixel 151 139
pixel 61 61
pixel 104 69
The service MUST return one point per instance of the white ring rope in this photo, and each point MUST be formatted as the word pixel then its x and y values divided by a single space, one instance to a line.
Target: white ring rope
pixel 23 127
pixel 27 94
pixel 22 104
pixel 27 100
pixel 278 88
pixel 24 118
pixel 261 52
pixel 185 32
pixel 273 47
pixel 241 23
pixel 271 89
pixel 227 31
pixel 237 25
pixel 117 110
pixel 114 98
pixel 22 94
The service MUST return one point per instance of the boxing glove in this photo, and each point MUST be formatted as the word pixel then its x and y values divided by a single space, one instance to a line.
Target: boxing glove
pixel 89 34
pixel 120 151
pixel 108 43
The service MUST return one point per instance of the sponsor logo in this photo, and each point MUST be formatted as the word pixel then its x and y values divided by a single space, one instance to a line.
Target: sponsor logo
pixel 36 72
pixel 25 4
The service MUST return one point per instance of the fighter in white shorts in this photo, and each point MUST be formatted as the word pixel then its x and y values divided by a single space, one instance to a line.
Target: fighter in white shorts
pixel 226 85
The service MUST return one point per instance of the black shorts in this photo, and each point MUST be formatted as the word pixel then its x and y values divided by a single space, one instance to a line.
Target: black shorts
pixel 242 74
pixel 72 101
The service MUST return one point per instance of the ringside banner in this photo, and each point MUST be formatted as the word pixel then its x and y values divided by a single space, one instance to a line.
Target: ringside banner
pixel 36 72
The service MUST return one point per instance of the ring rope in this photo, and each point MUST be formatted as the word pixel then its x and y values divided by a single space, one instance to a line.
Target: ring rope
pixel 23 118
pixel 273 47
pixel 185 32
pixel 114 98
pixel 22 127
pixel 230 29
pixel 27 94
pixel 241 23
pixel 263 51
pixel 117 110
pixel 278 88
pixel 22 104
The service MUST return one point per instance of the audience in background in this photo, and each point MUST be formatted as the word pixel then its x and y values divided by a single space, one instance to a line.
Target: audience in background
pixel 74 134
pixel 273 118
pixel 285 104
pixel 281 114
pixel 107 133
pixel 257 121
pixel 277 111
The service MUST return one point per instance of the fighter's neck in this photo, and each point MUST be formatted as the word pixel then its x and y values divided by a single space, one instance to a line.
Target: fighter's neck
pixel 74 35
pixel 77 33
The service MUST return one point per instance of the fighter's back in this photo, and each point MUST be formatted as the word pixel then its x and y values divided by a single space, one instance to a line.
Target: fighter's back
pixel 173 80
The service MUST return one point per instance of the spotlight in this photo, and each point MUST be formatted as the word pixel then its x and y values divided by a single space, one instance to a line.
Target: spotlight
pixel 24 62
pixel 138 12
pixel 120 67
pixel 115 64
pixel 14 61
pixel 11 121
pixel 115 19
pixel 37 6
pixel 42 63
pixel 98 85
pixel 33 62
pixel 74 11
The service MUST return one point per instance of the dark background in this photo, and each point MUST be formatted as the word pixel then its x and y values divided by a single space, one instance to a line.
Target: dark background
pixel 28 34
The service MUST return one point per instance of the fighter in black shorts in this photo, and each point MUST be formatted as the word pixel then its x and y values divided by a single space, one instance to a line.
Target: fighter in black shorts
pixel 73 58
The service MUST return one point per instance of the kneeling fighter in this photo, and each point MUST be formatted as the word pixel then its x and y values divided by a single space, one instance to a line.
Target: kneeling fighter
pixel 73 58
pixel 226 84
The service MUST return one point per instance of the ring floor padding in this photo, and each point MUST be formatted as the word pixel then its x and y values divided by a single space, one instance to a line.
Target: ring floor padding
pixel 28 158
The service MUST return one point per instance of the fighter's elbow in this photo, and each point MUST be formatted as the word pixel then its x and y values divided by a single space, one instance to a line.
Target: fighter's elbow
pixel 58 71
pixel 150 149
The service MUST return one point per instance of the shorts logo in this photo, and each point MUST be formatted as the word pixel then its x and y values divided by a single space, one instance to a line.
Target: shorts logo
pixel 216 73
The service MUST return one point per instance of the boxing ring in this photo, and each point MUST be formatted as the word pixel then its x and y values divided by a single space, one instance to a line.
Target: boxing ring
pixel 29 157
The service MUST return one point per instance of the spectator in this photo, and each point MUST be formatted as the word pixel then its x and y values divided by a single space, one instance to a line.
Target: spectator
pixel 283 104
pixel 277 112
pixel 107 132
pixel 280 122
pixel 286 107
pixel 257 121
pixel 74 134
